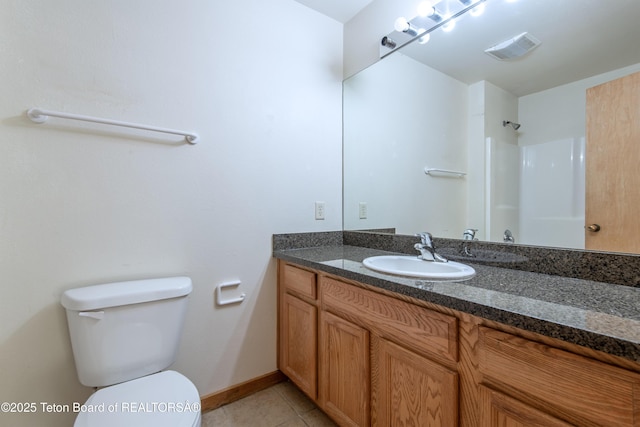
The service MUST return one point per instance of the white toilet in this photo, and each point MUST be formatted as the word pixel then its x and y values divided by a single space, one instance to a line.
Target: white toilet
pixel 123 335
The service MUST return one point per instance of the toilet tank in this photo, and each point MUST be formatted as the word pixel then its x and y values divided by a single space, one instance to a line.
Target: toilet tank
pixel 125 330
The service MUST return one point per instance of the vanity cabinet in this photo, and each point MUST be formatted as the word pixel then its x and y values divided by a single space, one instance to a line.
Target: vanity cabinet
pixel 367 358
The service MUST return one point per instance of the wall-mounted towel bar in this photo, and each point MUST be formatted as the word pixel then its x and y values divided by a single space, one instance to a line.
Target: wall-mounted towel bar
pixel 38 115
pixel 434 171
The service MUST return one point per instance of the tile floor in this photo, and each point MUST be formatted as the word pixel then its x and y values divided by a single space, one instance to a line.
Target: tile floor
pixel 282 405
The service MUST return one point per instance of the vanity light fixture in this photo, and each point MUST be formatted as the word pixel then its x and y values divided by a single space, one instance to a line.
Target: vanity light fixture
pixel 428 20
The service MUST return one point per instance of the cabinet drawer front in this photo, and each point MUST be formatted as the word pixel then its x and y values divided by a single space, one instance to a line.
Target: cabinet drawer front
pixel 299 280
pixel 423 330
pixel 575 388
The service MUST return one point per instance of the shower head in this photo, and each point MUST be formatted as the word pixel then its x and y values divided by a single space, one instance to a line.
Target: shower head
pixel 515 126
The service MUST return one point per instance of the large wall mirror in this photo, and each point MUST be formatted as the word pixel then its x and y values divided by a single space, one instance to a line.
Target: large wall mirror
pixel 514 132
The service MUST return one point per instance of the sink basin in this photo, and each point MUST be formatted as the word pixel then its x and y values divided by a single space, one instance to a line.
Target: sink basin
pixel 413 266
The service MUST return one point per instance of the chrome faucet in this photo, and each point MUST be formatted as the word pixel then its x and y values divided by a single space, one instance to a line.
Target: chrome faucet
pixel 427 249
pixel 508 237
pixel 469 234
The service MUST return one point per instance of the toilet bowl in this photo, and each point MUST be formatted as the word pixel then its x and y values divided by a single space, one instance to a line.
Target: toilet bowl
pixel 163 399
pixel 123 336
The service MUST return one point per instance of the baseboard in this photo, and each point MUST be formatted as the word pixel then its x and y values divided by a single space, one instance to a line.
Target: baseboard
pixel 236 392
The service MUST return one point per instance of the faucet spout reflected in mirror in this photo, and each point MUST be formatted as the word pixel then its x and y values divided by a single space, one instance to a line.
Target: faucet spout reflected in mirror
pixel 469 234
pixel 508 237
pixel 427 249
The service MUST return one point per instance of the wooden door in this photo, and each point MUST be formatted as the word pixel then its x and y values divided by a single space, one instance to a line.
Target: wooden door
pixel 411 390
pixel 500 410
pixel 613 165
pixel 344 389
pixel 298 343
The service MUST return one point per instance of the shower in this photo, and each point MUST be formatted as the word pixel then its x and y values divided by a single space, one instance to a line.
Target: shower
pixel 514 125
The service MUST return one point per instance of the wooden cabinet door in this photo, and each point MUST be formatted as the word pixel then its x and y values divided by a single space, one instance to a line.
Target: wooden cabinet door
pixel 344 389
pixel 298 343
pixel 411 390
pixel 500 410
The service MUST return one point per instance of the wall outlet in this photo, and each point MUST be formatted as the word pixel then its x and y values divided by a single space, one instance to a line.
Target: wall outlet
pixel 362 210
pixel 319 210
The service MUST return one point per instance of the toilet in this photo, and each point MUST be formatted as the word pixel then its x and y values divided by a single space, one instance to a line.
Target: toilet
pixel 123 336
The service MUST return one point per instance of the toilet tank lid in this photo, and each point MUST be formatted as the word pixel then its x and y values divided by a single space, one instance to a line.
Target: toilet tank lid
pixel 124 293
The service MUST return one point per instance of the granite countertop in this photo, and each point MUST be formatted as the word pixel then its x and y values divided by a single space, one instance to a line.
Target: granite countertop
pixel 597 315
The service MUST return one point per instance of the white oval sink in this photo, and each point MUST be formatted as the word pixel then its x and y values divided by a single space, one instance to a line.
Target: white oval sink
pixel 413 266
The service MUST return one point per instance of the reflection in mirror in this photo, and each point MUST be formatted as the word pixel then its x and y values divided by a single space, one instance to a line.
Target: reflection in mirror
pixel 444 105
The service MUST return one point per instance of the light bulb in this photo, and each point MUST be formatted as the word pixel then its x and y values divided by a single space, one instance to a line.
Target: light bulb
pixel 424 39
pixel 449 26
pixel 426 8
pixel 401 25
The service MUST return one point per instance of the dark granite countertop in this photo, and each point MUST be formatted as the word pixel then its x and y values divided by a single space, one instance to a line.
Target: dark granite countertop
pixel 600 316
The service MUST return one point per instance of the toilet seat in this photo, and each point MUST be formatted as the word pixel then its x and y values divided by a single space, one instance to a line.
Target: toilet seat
pixel 163 399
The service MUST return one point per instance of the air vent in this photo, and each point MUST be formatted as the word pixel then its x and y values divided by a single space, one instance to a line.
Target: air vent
pixel 513 48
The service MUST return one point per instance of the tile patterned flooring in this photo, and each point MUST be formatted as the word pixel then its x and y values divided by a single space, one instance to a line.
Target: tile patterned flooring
pixel 282 405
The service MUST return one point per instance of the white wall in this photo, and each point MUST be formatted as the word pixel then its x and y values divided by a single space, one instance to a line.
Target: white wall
pixel 394 128
pixel 80 204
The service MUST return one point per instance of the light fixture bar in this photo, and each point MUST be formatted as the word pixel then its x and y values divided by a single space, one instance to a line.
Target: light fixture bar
pixel 401 38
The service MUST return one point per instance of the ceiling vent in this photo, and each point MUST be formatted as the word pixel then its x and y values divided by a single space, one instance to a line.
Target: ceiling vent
pixel 513 48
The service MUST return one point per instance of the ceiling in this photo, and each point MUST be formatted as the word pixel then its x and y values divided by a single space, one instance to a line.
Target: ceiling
pixel 580 38
pixel 340 10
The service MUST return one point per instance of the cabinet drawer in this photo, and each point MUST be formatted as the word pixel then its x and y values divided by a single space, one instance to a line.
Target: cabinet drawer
pixel 575 388
pixel 298 280
pixel 425 331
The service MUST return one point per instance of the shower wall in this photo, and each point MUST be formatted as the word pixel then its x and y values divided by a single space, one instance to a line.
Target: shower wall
pixel 552 181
